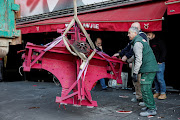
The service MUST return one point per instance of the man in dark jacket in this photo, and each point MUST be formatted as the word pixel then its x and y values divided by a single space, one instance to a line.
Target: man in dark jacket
pixel 159 50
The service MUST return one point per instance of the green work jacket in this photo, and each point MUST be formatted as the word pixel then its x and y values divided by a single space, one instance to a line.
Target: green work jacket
pixel 149 63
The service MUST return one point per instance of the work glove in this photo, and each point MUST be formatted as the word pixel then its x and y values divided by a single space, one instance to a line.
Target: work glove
pixel 134 78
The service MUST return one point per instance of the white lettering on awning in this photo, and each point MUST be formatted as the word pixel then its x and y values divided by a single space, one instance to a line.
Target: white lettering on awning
pixel 88 25
pixel 37 28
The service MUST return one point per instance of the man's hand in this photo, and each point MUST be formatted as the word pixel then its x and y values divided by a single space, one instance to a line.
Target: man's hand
pixel 100 47
pixel 130 65
pixel 124 58
pixel 134 78
pixel 116 54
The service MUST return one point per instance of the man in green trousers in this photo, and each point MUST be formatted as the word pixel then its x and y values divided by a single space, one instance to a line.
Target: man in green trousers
pixel 145 63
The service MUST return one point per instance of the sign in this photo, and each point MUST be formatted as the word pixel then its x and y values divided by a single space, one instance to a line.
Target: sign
pixel 88 25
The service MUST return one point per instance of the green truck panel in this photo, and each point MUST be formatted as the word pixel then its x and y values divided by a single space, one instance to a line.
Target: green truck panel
pixel 7 19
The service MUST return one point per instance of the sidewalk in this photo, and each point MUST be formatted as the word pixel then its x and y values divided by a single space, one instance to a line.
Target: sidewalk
pixel 36 101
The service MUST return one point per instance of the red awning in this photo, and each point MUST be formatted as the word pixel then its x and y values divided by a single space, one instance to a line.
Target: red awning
pixel 120 19
pixel 173 7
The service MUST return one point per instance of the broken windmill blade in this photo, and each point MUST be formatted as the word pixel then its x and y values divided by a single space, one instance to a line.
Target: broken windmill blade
pixel 74 62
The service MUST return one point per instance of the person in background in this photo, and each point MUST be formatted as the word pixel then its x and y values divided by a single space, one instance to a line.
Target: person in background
pixel 98 44
pixel 159 50
pixel 145 64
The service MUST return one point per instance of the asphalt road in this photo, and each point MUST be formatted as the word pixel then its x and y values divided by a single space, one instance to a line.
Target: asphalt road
pixel 36 101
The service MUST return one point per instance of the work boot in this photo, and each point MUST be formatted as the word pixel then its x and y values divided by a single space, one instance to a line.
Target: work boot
pixel 162 97
pixel 156 95
pixel 148 112
pixel 142 104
